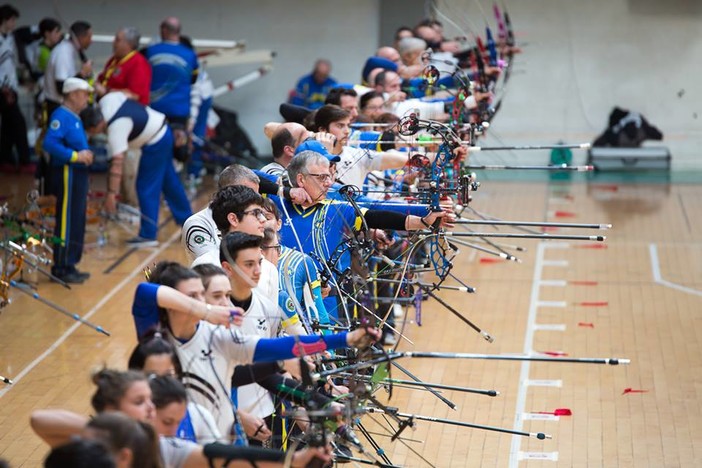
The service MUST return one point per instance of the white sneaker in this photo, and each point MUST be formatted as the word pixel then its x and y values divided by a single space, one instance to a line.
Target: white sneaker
pixel 140 242
pixel 390 340
pixel 398 311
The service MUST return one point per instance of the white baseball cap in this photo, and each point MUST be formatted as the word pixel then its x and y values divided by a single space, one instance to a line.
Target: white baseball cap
pixel 76 84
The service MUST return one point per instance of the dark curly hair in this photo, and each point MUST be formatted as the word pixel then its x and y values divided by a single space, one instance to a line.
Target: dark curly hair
pixel 233 199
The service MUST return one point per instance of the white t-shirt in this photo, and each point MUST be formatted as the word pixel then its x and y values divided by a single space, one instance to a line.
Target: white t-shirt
pixel 355 165
pixel 175 451
pixel 201 90
pixel 64 63
pixel 263 319
pixel 200 237
pixel 130 114
pixel 274 169
pixel 208 360
pixel 204 424
pixel 8 61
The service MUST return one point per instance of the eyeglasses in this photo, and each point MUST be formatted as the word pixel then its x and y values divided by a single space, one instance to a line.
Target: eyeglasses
pixel 322 177
pixel 278 248
pixel 257 213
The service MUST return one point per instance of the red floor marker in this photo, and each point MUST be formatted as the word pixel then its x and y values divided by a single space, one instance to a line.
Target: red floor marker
pixel 594 304
pixel 631 390
pixel 558 412
pixel 586 324
pixel 564 214
pixel 583 283
pixel 591 246
pixel 565 196
pixel 554 353
pixel 606 188
pixel 490 260
pixel 550 228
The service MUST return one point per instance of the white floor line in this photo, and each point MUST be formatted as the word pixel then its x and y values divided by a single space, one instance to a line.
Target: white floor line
pixel 550 326
pixel 551 304
pixel 137 271
pixel 514 453
pixel 556 263
pixel 658 278
pixel 547 456
pixel 557 245
pixel 542 383
pixel 554 283
pixel 540 417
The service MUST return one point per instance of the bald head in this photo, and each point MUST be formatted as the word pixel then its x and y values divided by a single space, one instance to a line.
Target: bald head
pixel 373 74
pixel 298 131
pixel 388 53
pixel 285 139
pixel 170 29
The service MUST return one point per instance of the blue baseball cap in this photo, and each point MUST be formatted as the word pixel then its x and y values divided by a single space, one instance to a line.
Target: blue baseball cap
pixel 317 147
pixel 377 62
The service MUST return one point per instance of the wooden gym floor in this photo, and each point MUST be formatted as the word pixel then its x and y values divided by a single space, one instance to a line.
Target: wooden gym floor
pixel 637 296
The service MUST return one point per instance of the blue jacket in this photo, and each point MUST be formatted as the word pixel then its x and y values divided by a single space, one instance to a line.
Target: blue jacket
pixel 65 136
pixel 310 94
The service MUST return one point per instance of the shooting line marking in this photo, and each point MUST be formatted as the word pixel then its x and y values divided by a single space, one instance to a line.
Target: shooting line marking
pixel 137 271
pixel 658 278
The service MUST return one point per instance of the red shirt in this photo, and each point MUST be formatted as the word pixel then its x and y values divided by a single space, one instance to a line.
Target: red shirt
pixel 132 72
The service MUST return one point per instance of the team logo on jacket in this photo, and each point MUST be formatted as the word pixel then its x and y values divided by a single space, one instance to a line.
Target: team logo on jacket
pixel 262 325
pixel 55 124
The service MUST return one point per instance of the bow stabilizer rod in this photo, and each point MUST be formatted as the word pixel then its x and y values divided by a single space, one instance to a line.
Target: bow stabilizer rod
pixel 483 333
pixel 536 435
pixel 478 391
pixel 58 308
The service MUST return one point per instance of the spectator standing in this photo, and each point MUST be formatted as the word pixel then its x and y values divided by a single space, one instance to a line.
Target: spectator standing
pixel 127 70
pixel 67 60
pixel 311 90
pixel 13 130
pixel 67 146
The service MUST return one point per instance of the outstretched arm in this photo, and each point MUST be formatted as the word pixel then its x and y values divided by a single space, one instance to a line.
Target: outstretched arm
pixel 56 426
pixel 149 297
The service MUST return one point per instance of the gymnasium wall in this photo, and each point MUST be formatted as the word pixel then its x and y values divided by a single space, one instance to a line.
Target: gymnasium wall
pixel 580 58
pixel 298 31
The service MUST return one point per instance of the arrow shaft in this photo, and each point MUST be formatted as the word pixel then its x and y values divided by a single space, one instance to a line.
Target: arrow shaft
pixel 411 383
pixel 501 167
pixel 530 147
pixel 524 236
pixel 480 248
pixel 460 316
pixel 58 308
pixel 506 357
pixel 448 402
pixel 531 223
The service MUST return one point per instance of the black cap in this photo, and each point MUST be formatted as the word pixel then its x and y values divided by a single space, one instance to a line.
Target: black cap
pixel 293 113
